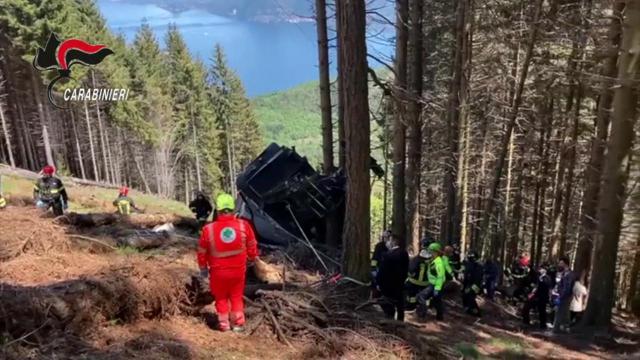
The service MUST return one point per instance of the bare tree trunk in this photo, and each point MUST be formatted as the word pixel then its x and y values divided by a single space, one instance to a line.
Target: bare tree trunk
pixel 615 175
pixel 571 165
pixel 325 90
pixel 357 130
pixel 105 163
pixel 341 99
pixel 593 171
pixel 515 107
pixel 414 131
pixel 332 232
pixel 195 146
pixel 96 175
pixel 398 224
pixel 77 143
pixel 112 162
pixel 635 272
pixel 37 93
pixel 450 223
pixel 7 136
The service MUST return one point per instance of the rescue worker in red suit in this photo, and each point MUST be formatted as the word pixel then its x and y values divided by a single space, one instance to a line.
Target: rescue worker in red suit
pixel 226 244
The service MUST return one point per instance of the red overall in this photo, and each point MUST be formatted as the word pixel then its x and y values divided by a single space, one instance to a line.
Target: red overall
pixel 225 246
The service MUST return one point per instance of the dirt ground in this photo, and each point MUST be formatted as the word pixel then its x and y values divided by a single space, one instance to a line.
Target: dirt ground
pixel 41 256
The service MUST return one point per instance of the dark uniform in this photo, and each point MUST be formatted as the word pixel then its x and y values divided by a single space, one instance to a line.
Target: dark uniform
pixel 378 252
pixel 471 285
pixel 455 263
pixel 50 192
pixel 538 299
pixel 201 207
pixel 416 280
pixel 391 274
pixel 491 273
pixel 520 274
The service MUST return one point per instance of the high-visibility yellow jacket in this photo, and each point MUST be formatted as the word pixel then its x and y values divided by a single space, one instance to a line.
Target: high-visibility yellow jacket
pixel 124 205
pixel 436 273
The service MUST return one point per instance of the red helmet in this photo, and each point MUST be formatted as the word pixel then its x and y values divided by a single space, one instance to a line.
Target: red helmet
pixel 524 260
pixel 49 170
pixel 124 191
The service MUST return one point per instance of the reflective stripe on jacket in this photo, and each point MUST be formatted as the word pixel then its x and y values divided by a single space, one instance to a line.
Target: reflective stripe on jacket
pixel 227 243
pixel 417 272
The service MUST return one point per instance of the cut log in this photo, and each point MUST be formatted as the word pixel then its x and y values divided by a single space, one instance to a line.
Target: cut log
pixel 146 221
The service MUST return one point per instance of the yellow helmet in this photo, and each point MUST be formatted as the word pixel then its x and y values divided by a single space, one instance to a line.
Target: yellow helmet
pixel 225 201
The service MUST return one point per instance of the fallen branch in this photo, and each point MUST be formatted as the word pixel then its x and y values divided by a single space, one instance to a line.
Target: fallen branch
pixel 276 324
pixel 86 238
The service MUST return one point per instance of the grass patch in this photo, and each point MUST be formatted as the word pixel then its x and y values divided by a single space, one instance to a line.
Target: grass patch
pixel 467 350
pixel 512 346
pixel 92 199
pixel 128 250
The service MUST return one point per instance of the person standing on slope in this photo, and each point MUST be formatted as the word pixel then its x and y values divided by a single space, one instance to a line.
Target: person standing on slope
pixel 378 252
pixel 50 192
pixel 433 292
pixel 225 246
pixel 201 207
pixel 391 276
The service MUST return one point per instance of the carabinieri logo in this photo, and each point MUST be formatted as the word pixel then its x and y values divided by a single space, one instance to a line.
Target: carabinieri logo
pixel 61 56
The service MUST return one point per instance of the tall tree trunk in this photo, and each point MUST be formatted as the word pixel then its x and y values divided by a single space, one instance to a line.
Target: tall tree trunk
pixel 515 107
pixel 105 163
pixel 357 130
pixel 332 232
pixel 325 90
pixel 568 188
pixel 610 211
pixel 635 272
pixel 414 131
pixel 37 93
pixel 450 223
pixel 96 175
pixel 593 171
pixel 7 136
pixel 195 149
pixel 341 100
pixel 77 143
pixel 398 224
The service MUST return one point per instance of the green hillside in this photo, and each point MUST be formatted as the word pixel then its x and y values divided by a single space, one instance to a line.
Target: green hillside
pixel 292 118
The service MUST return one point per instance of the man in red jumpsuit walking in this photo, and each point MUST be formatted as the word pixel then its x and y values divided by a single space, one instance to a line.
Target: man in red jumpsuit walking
pixel 225 246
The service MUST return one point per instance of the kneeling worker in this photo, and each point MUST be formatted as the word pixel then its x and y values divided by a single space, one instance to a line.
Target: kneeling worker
pixel 390 278
pixel 436 278
pixel 224 248
pixel 124 203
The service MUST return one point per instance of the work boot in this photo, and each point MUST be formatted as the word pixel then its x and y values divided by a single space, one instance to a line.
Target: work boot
pixel 223 322
pixel 238 329
pixel 237 319
pixel 421 311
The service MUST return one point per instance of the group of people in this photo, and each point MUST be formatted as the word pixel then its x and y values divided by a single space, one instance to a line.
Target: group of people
pixel 558 288
pixel 402 284
pixel 227 244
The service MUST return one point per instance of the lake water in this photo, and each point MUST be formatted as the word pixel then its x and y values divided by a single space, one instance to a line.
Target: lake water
pixel 267 57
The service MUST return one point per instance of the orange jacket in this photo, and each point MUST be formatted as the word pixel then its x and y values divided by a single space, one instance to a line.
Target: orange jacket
pixel 227 243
